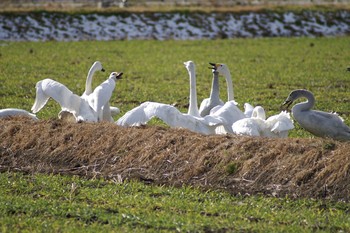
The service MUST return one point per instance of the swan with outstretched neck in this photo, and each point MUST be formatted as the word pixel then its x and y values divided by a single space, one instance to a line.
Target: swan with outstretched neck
pixel 214 99
pixel 171 115
pixel 319 123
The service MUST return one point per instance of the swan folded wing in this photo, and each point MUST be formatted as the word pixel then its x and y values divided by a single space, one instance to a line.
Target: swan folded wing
pixel 279 123
pixel 247 126
pixel 60 93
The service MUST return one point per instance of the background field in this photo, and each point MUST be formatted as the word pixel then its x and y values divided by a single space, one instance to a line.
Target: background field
pixel 264 72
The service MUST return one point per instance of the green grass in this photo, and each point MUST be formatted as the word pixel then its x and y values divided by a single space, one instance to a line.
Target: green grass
pixel 36 203
pixel 264 71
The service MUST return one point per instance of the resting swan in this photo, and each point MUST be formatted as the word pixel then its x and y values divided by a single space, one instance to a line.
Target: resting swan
pixel 319 123
pixel 172 116
pixel 276 126
pixel 9 112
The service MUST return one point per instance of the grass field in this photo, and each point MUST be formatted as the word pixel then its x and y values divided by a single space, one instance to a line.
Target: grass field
pixel 264 71
pixel 38 203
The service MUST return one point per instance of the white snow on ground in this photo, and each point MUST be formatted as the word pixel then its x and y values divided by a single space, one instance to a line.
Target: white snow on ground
pixel 177 26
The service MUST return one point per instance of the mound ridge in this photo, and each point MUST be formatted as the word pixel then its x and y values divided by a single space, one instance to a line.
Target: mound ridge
pixel 316 168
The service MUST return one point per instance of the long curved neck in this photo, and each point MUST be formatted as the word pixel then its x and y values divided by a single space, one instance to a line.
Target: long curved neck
pixel 88 83
pixel 307 105
pixel 215 90
pixel 230 95
pixel 193 105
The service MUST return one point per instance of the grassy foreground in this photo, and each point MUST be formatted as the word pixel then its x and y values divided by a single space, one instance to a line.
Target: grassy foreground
pixel 41 203
pixel 264 71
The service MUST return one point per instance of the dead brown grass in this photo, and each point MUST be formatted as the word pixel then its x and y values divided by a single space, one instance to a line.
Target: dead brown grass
pixel 315 168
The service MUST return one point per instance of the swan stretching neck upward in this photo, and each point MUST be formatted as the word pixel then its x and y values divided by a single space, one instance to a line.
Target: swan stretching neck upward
pixel 193 105
pixel 171 115
pixel 214 99
pixel 68 101
pixel 319 123
pixel 9 112
pixel 102 94
pixel 97 66
pixel 223 69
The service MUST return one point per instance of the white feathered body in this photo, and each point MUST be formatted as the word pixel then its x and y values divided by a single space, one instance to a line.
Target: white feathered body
pixel 170 116
pixel 48 88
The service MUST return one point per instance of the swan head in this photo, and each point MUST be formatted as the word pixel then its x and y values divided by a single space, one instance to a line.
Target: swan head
pixel 189 65
pixel 293 96
pixel 98 66
pixel 219 67
pixel 116 75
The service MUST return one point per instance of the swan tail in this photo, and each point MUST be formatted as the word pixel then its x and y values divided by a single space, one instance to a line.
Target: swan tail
pixel 40 99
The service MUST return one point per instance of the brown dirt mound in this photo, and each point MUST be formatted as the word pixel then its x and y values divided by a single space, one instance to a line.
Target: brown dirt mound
pixel 316 168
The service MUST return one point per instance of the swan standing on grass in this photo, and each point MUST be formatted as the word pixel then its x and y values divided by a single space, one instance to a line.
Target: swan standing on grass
pixel 171 115
pixel 321 124
pixel 9 112
pixel 100 97
pixel 276 126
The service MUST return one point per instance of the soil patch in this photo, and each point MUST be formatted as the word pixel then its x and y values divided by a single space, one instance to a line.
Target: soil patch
pixel 316 168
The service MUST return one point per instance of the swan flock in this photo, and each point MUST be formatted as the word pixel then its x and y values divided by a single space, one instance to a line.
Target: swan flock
pixel 214 116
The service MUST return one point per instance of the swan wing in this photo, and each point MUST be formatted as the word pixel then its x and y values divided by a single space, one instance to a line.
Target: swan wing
pixel 230 113
pixel 247 126
pixel 60 93
pixel 279 123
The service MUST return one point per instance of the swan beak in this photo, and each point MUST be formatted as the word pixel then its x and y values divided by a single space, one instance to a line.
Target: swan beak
pixel 119 76
pixel 348 69
pixel 286 104
pixel 213 66
pixel 103 70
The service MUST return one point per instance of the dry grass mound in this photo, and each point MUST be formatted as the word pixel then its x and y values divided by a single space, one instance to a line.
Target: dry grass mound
pixel 315 168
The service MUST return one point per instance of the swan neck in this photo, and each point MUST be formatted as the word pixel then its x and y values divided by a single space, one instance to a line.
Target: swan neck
pixel 215 89
pixel 230 94
pixel 307 105
pixel 193 105
pixel 88 83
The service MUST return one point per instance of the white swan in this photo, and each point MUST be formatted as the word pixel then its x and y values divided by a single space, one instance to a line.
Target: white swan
pixel 9 112
pixel 108 111
pixel 319 123
pixel 276 126
pixel 214 99
pixel 68 101
pixel 172 116
pixel 100 97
